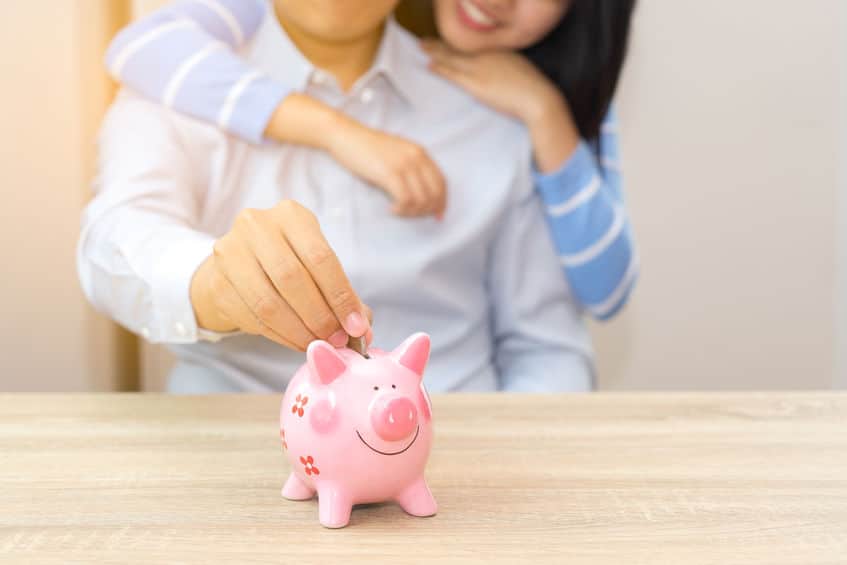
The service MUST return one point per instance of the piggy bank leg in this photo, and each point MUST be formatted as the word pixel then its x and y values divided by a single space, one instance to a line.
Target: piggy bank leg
pixel 296 489
pixel 333 507
pixel 417 500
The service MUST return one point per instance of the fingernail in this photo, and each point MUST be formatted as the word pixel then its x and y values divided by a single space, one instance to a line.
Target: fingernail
pixel 369 337
pixel 338 339
pixel 356 325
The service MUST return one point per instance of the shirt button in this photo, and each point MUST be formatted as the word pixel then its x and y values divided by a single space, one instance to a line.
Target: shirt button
pixel 180 329
pixel 145 333
pixel 367 95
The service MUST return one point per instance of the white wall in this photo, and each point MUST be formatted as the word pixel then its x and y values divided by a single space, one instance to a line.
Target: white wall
pixel 841 286
pixel 53 93
pixel 731 138
pixel 43 316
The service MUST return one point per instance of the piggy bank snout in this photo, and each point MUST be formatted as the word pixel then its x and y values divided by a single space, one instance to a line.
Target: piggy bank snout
pixel 394 418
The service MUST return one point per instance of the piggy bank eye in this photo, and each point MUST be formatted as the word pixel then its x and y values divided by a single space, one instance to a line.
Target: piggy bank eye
pixel 393 386
pixel 376 388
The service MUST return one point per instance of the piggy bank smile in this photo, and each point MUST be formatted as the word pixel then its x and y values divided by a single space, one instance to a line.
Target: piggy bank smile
pixel 372 448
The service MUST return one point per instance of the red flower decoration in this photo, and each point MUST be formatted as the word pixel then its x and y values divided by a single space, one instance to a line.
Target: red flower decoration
pixel 282 436
pixel 308 464
pixel 299 404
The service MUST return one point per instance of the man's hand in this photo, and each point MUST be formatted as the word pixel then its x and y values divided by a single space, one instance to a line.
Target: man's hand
pixel 274 274
pixel 402 169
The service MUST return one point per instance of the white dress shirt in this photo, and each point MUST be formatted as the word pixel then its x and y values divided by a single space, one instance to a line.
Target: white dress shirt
pixel 485 283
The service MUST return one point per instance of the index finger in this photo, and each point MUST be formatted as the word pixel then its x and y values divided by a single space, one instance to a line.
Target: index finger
pixel 304 235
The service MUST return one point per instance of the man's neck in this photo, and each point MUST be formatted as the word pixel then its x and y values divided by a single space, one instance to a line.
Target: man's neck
pixel 347 61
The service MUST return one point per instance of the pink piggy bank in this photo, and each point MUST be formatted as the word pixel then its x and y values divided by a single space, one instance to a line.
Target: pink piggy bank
pixel 359 430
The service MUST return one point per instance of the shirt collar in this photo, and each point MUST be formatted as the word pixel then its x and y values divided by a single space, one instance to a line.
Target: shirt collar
pixel 396 61
pixel 274 53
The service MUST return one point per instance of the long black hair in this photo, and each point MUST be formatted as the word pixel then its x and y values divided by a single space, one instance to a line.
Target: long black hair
pixel 584 56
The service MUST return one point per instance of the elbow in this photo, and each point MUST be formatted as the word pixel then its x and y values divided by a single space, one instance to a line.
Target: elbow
pixel 603 316
pixel 93 278
pixel 618 299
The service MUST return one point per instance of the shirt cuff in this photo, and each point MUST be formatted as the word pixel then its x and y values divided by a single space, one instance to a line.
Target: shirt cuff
pixel 171 285
pixel 575 174
pixel 255 107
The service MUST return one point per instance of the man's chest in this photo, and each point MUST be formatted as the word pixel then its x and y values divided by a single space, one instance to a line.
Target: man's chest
pixel 480 184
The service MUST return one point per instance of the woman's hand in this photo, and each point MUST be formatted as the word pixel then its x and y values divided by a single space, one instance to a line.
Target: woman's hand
pixel 511 84
pixel 274 274
pixel 504 80
pixel 402 169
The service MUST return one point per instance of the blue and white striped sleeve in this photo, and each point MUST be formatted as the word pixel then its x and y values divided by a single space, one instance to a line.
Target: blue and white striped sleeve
pixel 185 57
pixel 590 225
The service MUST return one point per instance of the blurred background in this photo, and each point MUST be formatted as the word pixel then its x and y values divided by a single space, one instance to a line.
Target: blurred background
pixel 734 139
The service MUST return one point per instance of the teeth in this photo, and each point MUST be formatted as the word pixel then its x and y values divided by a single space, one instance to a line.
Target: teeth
pixel 477 15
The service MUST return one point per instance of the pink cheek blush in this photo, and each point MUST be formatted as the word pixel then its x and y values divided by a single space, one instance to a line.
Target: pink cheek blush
pixel 323 417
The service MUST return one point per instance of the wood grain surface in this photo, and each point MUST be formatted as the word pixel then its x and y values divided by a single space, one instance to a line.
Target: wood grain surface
pixel 601 479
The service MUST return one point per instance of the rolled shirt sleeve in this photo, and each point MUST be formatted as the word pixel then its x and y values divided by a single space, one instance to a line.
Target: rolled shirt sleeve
pixel 139 247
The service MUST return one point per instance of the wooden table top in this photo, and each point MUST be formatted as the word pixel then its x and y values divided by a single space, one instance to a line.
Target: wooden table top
pixel 601 479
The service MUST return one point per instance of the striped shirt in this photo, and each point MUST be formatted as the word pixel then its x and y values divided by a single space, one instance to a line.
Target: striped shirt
pixel 189 57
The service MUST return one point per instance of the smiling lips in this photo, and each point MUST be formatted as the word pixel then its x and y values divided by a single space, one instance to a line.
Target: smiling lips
pixel 474 17
pixel 417 431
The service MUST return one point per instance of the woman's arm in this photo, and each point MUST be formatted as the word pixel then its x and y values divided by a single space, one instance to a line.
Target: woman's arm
pixel 590 225
pixel 579 182
pixel 185 56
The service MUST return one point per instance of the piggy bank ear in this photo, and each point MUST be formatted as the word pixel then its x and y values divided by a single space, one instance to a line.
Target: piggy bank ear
pixel 413 353
pixel 325 364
